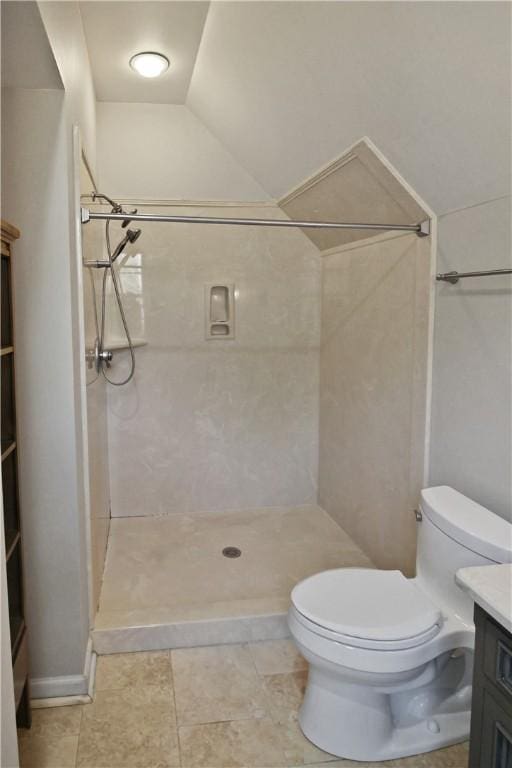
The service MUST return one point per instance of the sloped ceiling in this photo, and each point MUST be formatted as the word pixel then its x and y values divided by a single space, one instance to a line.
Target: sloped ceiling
pixel 287 86
pixel 23 30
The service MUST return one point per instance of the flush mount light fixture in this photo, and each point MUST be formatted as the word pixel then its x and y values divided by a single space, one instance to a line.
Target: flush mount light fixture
pixel 149 64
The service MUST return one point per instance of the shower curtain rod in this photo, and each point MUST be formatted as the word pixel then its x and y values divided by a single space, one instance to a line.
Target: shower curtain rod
pixel 422 229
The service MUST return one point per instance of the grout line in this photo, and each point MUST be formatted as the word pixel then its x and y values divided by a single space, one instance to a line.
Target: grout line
pixel 79 734
pixel 175 706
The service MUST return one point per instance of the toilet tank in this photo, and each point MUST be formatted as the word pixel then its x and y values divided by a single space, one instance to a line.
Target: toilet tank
pixel 456 532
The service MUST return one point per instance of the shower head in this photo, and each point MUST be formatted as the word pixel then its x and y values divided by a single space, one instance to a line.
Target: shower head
pixel 127 221
pixel 116 207
pixel 133 234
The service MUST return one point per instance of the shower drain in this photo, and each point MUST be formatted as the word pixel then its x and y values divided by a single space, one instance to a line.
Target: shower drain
pixel 231 552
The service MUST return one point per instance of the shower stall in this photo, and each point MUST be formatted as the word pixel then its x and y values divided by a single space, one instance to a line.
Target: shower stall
pixel 266 367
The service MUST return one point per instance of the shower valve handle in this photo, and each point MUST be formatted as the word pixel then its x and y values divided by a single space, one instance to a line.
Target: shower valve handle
pixel 106 357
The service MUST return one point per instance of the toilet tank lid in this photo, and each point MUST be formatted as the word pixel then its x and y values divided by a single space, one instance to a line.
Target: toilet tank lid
pixel 472 525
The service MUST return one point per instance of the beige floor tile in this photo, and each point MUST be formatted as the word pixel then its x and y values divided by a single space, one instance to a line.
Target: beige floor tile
pixel 238 744
pixel 450 757
pixel 130 670
pixel 48 752
pixel 285 694
pixel 54 722
pixel 129 729
pixel 341 763
pixel 277 656
pixel 216 683
pixel 297 749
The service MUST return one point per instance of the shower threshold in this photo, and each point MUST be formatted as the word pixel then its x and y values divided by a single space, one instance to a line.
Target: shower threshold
pixel 167 583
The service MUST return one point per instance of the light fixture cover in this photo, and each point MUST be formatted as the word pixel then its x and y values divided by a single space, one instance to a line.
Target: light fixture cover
pixel 149 63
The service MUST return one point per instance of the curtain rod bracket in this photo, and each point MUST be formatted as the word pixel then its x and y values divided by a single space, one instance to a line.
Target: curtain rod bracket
pixel 85 215
pixel 425 228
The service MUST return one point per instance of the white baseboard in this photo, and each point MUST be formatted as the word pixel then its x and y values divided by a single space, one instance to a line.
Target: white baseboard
pixel 59 701
pixel 65 689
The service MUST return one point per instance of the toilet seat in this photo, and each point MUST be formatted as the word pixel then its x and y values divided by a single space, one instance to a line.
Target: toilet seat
pixel 366 608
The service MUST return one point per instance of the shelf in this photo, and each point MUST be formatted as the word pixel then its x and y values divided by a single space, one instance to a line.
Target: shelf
pixel 8 447
pixel 11 540
pixel 17 627
pixel 119 344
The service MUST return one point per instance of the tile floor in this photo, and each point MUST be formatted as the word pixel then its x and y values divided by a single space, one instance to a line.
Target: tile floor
pixel 170 570
pixel 231 706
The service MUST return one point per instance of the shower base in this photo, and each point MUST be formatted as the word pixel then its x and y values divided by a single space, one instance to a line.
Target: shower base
pixel 167 583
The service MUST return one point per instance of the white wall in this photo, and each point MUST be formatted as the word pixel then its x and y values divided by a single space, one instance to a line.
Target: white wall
pixel 287 86
pixel 163 152
pixel 63 25
pixel 472 376
pixel 35 194
pixel 218 424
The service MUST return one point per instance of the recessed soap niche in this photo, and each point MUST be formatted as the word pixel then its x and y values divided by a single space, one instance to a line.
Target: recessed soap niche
pixel 219 305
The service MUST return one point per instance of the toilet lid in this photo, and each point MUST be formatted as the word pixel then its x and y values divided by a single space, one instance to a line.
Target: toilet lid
pixel 363 603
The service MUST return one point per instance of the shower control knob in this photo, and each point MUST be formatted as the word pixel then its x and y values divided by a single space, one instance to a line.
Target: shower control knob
pixel 106 357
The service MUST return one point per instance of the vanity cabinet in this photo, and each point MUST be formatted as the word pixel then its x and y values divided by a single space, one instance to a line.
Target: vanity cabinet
pixel 11 507
pixel 491 713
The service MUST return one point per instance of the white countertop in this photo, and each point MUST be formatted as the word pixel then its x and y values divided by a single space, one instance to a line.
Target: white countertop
pixel 491 587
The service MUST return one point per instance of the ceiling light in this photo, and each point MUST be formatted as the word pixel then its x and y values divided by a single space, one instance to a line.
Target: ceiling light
pixel 149 64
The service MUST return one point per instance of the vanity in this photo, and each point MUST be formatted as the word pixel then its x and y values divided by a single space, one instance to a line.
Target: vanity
pixel 490 587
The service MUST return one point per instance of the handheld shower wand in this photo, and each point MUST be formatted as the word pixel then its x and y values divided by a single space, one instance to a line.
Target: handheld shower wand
pixel 131 236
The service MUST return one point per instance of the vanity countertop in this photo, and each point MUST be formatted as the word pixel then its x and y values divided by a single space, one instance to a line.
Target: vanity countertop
pixel 491 587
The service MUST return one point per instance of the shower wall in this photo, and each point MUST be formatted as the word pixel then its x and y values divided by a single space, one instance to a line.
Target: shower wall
pixel 96 392
pixel 218 424
pixel 373 383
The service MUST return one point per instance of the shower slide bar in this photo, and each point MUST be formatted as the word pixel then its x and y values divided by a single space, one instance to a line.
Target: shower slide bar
pixel 422 229
pixel 454 277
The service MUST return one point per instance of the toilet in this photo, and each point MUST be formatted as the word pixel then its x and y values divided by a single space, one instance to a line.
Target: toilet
pixel 390 657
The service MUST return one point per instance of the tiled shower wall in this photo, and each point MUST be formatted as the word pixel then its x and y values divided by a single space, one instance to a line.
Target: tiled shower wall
pixel 218 424
pixel 373 386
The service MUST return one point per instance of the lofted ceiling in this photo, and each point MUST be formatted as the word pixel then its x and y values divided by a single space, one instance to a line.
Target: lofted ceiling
pixel 38 70
pixel 115 31
pixel 287 86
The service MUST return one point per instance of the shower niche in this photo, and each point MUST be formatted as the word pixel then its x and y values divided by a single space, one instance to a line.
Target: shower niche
pixel 219 300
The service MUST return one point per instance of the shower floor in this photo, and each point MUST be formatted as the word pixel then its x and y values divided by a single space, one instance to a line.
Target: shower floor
pixel 167 584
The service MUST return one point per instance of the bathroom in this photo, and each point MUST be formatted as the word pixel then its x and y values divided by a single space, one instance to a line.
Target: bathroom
pixel 292 392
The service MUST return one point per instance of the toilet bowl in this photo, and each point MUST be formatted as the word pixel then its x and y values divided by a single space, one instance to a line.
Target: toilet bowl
pixel 390 657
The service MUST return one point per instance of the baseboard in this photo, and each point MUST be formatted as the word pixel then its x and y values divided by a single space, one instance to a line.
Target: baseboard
pixel 64 690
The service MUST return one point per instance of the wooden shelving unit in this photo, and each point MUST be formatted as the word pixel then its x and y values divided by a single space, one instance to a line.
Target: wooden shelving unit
pixel 11 505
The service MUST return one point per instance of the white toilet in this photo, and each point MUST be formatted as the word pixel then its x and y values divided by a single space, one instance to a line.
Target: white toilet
pixel 390 657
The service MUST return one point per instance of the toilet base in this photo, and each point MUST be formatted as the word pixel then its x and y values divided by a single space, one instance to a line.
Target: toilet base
pixel 357 722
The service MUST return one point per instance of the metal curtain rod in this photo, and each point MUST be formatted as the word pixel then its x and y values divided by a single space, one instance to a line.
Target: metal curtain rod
pixel 454 277
pixel 422 230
